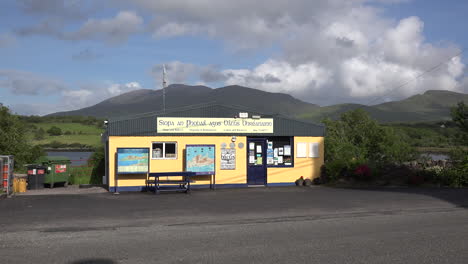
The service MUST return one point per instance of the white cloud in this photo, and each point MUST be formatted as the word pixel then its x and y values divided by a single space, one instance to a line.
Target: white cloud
pixel 115 29
pixel 95 93
pixel 26 83
pixel 280 76
pixel 111 30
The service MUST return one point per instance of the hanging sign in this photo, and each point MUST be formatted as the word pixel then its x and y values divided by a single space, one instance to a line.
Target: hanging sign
pixel 213 125
pixel 228 159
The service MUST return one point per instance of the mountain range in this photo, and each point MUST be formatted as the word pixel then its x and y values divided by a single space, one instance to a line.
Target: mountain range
pixel 432 105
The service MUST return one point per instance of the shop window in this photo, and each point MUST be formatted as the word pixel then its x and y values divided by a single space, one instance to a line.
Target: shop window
pixel 280 152
pixel 164 150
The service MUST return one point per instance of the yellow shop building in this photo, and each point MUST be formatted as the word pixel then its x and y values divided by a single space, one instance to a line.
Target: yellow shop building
pixel 229 146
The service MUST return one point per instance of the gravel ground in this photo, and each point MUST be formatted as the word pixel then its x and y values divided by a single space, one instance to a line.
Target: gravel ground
pixel 60 190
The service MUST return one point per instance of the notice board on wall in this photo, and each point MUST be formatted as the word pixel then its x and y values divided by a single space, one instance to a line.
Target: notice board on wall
pixel 200 159
pixel 228 158
pixel 314 150
pixel 132 160
pixel 301 150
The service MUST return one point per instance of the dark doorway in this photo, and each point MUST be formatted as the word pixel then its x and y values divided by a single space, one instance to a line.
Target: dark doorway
pixel 256 161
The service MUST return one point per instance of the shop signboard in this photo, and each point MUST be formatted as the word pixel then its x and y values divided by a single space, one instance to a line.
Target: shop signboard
pixel 228 159
pixel 200 159
pixel 202 125
pixel 132 160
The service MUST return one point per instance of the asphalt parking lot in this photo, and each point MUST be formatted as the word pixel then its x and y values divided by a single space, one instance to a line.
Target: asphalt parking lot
pixel 259 225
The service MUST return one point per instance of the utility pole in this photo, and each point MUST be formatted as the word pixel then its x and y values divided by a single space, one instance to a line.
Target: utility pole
pixel 164 84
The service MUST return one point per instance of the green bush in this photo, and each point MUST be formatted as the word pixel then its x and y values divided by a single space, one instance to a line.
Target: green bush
pixel 54 131
pixel 356 139
pixel 80 175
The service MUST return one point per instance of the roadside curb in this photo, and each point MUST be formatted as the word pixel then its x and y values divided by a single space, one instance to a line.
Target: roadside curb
pixel 84 186
pixel 3 196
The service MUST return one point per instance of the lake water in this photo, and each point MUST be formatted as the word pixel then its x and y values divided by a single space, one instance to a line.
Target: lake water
pixel 436 156
pixel 77 158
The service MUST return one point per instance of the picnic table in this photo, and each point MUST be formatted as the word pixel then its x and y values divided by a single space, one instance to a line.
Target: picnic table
pixel 178 185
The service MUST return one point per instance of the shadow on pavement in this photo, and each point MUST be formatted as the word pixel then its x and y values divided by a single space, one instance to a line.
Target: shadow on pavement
pixel 455 196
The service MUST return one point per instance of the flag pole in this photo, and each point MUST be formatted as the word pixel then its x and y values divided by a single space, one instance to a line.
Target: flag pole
pixel 164 88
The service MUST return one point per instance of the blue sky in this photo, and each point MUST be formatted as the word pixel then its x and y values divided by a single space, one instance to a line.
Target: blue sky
pixel 57 55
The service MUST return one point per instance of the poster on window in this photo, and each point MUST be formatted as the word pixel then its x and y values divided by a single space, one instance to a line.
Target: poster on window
pixel 228 159
pixel 200 159
pixel 270 156
pixel 287 150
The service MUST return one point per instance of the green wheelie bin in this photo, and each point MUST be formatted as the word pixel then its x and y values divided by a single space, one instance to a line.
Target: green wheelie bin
pixel 58 170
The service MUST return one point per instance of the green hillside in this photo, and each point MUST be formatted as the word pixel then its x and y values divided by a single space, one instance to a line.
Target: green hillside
pixel 428 107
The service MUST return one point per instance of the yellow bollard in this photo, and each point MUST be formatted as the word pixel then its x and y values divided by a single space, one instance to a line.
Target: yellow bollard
pixel 22 185
pixel 16 184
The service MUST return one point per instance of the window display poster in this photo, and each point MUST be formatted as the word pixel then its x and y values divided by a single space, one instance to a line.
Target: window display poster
pixel 280 159
pixel 280 151
pixel 275 152
pixel 287 160
pixel 287 150
pixel 259 160
pixel 252 145
pixel 259 148
pixel 200 159
pixel 270 156
pixel 251 156
pixel 314 150
pixel 132 160
pixel 301 150
pixel 228 159
pixel 270 144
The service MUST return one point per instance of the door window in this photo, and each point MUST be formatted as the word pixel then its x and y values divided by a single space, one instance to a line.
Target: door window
pixel 255 154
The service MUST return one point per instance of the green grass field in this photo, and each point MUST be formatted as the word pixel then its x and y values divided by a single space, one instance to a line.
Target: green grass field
pixel 79 133
pixel 72 127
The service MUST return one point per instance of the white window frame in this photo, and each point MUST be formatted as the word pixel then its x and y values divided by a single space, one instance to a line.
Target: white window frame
pixel 164 150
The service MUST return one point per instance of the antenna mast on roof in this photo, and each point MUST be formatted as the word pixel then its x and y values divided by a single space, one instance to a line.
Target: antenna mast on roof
pixel 164 84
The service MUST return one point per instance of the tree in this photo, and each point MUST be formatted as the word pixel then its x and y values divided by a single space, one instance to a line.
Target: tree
pixel 39 134
pixel 13 139
pixel 357 139
pixel 460 116
pixel 54 131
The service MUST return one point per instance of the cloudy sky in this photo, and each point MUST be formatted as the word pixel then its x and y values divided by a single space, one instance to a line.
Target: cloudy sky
pixel 60 55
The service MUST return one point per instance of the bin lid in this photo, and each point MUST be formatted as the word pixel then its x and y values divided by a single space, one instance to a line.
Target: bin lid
pixel 53 160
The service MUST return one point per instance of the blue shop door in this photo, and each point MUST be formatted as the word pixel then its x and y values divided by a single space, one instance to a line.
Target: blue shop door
pixel 256 161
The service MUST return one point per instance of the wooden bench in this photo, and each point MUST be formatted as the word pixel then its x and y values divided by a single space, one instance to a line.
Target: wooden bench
pixel 174 185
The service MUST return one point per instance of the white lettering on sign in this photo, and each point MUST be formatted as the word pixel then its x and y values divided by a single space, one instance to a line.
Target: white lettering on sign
pixel 214 125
